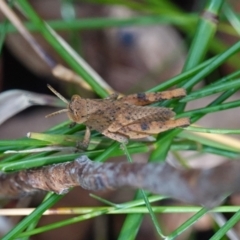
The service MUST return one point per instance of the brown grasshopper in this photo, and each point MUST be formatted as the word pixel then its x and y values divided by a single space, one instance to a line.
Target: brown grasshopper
pixel 123 118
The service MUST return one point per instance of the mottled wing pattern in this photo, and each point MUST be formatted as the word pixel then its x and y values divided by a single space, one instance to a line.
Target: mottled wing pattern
pixel 128 114
pixel 100 121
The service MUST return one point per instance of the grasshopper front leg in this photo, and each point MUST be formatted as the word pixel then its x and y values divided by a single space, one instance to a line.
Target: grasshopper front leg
pixel 122 138
pixel 83 145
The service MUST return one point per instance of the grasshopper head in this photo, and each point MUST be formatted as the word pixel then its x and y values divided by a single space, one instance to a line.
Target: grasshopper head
pixel 73 107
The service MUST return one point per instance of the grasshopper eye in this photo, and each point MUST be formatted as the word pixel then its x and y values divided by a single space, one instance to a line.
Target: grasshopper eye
pixel 74 104
pixel 75 98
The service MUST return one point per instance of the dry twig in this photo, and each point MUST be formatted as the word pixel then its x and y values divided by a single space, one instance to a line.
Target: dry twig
pixel 205 187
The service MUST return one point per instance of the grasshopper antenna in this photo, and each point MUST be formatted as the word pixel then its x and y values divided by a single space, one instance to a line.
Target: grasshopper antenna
pixel 55 113
pixel 59 96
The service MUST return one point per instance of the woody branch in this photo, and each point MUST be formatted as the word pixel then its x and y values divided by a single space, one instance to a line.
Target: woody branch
pixel 205 187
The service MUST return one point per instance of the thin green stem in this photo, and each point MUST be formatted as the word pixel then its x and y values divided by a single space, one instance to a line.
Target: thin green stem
pixel 205 31
pixel 49 35
pixel 153 217
pixel 105 154
pixel 14 233
pixel 108 22
pixel 213 130
pixel 227 226
pixel 187 224
pixel 214 88
pixel 211 109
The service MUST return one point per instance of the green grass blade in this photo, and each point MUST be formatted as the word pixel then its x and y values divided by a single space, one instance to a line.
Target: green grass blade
pixel 213 130
pixel 4 29
pixel 204 34
pixel 187 224
pixel 131 227
pixel 181 77
pixel 213 6
pixel 165 139
pixel 131 224
pixel 212 109
pixel 32 217
pixel 224 96
pixel 107 22
pixel 34 223
pixel 228 225
pixel 63 223
pixel 213 65
pixel 58 46
pixel 232 17
pixel 105 155
pixel 216 88
pixel 152 215
pixel 89 213
pixel 210 141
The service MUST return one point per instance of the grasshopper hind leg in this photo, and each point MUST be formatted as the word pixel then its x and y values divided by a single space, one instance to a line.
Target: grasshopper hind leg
pixel 142 99
pixel 144 128
pixel 122 138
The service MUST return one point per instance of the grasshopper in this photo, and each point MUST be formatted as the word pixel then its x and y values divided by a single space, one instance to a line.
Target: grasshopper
pixel 123 118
